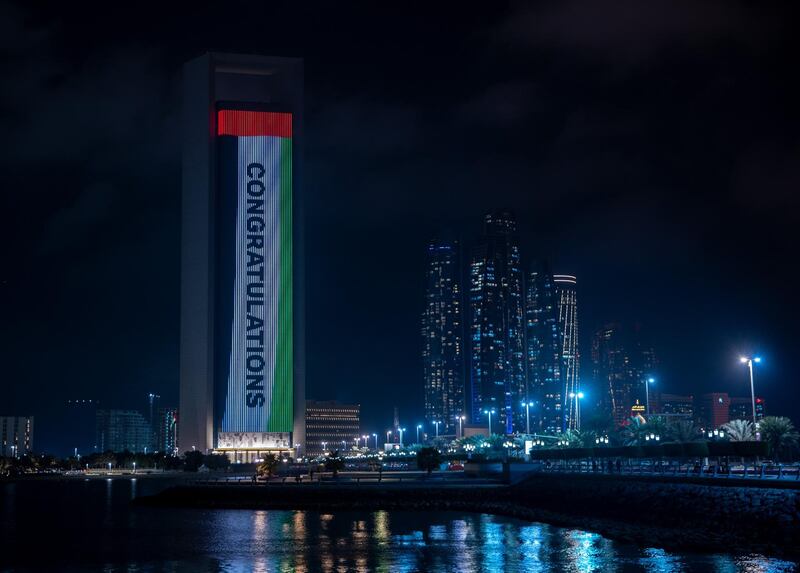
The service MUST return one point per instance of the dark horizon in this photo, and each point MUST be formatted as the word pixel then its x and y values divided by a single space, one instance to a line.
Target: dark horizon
pixel 654 156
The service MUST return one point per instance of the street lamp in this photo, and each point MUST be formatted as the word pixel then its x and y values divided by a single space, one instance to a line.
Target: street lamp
pixel 461 425
pixel 401 430
pixel 324 446
pixel 376 441
pixel 437 428
pixel 388 435
pixel 749 362
pixel 577 397
pixel 490 412
pixel 527 406
pixel 647 393
pixel 419 427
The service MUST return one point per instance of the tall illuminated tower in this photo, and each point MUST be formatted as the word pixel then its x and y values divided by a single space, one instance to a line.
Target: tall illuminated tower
pixel 497 326
pixel 242 339
pixel 567 300
pixel 544 351
pixel 442 337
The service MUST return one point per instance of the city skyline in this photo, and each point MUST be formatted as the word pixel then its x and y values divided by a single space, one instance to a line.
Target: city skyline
pixel 670 202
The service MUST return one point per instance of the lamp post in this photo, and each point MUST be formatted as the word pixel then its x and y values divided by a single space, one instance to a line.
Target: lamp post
pixel 388 435
pixel 419 427
pixel 490 412
pixel 749 362
pixel 577 396
pixel 437 428
pixel 401 430
pixel 324 447
pixel 461 426
pixel 527 405
pixel 376 441
pixel 647 383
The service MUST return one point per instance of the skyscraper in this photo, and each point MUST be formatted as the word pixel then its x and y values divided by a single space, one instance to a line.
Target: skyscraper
pixel 567 298
pixel 622 364
pixel 497 323
pixel 544 351
pixel 242 342
pixel 442 337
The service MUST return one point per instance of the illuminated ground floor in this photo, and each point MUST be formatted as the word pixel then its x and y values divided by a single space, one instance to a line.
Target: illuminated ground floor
pixel 246 456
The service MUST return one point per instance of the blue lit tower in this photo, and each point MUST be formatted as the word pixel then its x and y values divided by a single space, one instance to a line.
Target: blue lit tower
pixel 497 323
pixel 544 348
pixel 567 299
pixel 442 337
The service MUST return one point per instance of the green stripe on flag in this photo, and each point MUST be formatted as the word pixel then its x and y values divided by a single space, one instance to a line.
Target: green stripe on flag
pixel 282 408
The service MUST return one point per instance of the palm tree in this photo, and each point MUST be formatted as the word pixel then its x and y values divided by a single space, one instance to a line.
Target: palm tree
pixel 780 434
pixel 633 432
pixel 684 431
pixel 269 465
pixel 334 463
pixel 428 459
pixel 740 431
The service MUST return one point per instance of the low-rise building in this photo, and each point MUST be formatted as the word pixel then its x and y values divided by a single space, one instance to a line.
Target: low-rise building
pixel 331 426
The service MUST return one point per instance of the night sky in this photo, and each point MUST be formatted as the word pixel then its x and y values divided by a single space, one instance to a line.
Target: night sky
pixel 652 150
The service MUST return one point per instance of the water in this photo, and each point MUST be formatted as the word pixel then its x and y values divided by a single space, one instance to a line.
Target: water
pixel 88 526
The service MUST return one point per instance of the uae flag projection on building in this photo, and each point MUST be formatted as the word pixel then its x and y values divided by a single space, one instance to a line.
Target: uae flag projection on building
pixel 253 340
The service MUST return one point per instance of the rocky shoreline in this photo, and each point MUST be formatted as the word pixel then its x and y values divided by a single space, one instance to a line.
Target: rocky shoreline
pixel 679 517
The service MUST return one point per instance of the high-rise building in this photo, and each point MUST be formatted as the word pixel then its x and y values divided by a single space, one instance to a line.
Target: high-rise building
pixel 121 430
pixel 16 435
pixel 672 406
pixel 544 351
pixel 566 287
pixel 166 430
pixel 497 327
pixel 331 426
pixel 742 408
pixel 242 341
pixel 442 337
pixel 713 410
pixel 622 363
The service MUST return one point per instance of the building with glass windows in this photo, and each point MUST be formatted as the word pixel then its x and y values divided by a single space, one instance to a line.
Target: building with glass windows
pixel 242 341
pixel 742 408
pixel 544 352
pixel 622 364
pixel 497 327
pixel 123 430
pixel 566 288
pixel 442 336
pixel 16 436
pixel 331 426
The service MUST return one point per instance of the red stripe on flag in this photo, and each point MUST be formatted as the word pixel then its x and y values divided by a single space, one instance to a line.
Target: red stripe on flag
pixel 240 122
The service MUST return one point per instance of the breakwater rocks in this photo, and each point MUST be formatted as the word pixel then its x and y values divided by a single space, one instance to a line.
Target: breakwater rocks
pixel 664 512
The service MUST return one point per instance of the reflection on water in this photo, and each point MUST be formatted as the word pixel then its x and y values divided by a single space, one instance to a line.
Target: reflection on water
pixel 90 527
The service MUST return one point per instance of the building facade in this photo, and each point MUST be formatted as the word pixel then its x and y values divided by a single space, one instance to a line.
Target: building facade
pixel 713 410
pixel 544 352
pixel 166 430
pixel 242 341
pixel 442 336
pixel 331 426
pixel 16 436
pixel 123 430
pixel 566 287
pixel 672 406
pixel 742 408
pixel 622 363
pixel 497 327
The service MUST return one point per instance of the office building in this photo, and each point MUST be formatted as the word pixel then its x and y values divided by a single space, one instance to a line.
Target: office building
pixel 622 363
pixel 544 352
pixel 242 343
pixel 566 287
pixel 123 430
pixel 672 406
pixel 16 436
pixel 331 426
pixel 741 408
pixel 166 431
pixel 497 327
pixel 442 337
pixel 713 410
